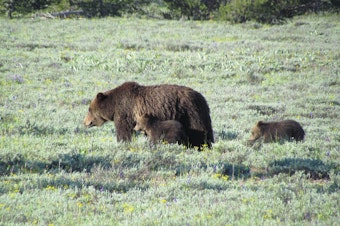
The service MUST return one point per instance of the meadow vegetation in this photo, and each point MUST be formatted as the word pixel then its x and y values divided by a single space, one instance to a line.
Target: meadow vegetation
pixel 53 171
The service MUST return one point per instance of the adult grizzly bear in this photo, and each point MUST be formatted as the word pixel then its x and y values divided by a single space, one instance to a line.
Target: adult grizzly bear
pixel 157 130
pixel 165 102
pixel 276 131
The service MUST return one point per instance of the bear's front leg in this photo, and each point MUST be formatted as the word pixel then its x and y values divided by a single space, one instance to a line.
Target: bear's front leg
pixel 124 129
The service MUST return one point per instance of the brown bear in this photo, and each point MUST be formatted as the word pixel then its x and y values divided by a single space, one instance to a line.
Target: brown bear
pixel 171 131
pixel 165 102
pixel 276 131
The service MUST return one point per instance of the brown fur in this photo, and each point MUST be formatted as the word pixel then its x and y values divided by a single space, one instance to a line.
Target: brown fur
pixel 157 130
pixel 276 131
pixel 165 102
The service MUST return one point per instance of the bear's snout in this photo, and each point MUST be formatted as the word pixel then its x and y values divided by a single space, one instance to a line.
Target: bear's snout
pixel 88 123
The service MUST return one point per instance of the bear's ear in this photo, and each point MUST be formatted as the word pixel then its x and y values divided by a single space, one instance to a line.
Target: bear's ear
pixel 147 116
pixel 101 96
pixel 260 123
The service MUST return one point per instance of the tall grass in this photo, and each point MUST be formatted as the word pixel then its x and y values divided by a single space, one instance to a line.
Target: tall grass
pixel 56 172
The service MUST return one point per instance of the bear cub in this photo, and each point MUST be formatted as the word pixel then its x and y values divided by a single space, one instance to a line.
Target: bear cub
pixel 157 130
pixel 277 131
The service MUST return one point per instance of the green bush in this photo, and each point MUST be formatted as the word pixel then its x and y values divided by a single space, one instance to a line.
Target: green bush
pixel 91 8
pixel 193 9
pixel 237 11
pixel 24 7
pixel 266 11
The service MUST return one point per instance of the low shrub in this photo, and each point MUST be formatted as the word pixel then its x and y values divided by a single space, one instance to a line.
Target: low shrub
pixel 265 11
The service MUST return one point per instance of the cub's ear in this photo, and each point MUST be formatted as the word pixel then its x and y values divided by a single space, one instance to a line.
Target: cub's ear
pixel 101 96
pixel 260 123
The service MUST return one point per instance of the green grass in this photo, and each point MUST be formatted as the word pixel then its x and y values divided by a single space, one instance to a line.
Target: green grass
pixel 53 171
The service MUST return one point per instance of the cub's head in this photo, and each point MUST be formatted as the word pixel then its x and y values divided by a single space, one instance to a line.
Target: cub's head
pixel 141 122
pixel 256 132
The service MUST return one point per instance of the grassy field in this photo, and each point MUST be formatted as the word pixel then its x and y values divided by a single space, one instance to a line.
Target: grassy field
pixel 53 171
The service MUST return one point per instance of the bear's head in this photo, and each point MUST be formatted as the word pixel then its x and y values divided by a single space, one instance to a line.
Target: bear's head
pixel 256 132
pixel 98 112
